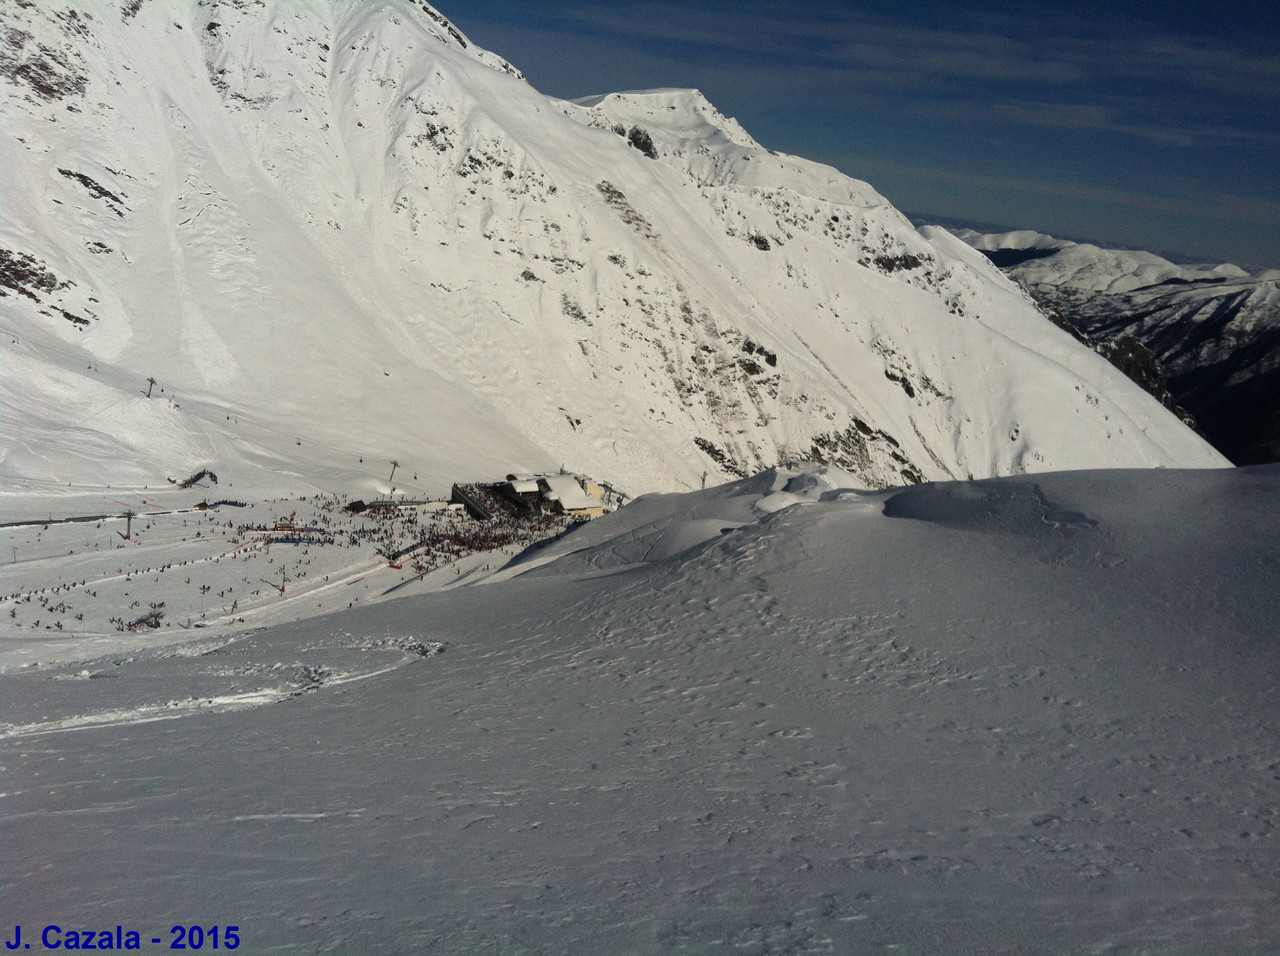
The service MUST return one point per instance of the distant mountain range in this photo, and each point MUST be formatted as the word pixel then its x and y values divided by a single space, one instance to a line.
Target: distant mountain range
pixel 252 249
pixel 1214 329
pixel 325 237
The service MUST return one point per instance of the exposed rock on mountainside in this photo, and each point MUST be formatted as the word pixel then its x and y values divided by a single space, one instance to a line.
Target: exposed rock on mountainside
pixel 1214 330
pixel 1131 357
pixel 345 234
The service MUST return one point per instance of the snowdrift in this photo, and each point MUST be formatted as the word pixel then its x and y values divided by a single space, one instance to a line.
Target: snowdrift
pixel 1024 715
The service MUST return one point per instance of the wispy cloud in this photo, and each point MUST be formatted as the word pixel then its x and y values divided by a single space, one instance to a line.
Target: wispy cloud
pixel 1159 113
pixel 1216 205
pixel 1091 117
pixel 1176 90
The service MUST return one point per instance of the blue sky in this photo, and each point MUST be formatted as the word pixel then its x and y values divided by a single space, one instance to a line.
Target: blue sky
pixel 1140 124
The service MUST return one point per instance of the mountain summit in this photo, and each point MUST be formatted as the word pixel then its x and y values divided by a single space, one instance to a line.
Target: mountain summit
pixel 322 236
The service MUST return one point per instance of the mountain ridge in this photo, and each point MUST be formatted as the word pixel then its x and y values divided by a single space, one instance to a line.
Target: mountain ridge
pixel 354 229
pixel 1214 328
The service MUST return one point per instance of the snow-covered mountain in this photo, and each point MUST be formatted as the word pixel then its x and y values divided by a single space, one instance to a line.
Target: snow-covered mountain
pixel 787 714
pixel 1215 329
pixel 326 236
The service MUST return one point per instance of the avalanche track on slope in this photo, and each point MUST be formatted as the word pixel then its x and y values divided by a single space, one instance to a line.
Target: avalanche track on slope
pixel 342 234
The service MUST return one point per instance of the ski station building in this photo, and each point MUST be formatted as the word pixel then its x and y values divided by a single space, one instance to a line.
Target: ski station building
pixel 564 494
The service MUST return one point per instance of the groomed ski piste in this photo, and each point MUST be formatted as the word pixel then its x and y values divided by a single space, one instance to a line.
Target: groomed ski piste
pixel 324 250
pixel 87 583
pixel 1025 715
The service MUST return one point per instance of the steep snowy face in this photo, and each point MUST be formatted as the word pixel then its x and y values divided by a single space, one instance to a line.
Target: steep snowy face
pixel 342 234
pixel 1214 328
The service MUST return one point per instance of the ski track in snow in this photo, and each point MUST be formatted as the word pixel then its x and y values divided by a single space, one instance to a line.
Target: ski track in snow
pixel 787 715
pixel 1018 716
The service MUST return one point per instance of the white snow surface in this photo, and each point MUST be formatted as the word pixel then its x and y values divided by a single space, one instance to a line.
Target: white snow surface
pixel 1158 292
pixel 1084 267
pixel 337 235
pixel 1028 715
pixel 792 714
pixel 1215 329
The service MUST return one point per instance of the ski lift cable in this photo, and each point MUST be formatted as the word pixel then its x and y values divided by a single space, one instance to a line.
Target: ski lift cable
pixel 25 338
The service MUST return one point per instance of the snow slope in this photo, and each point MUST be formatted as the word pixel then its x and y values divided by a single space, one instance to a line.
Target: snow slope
pixel 1088 268
pixel 336 235
pixel 1030 715
pixel 1214 328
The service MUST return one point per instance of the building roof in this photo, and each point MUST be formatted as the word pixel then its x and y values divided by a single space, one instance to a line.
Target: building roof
pixel 566 490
